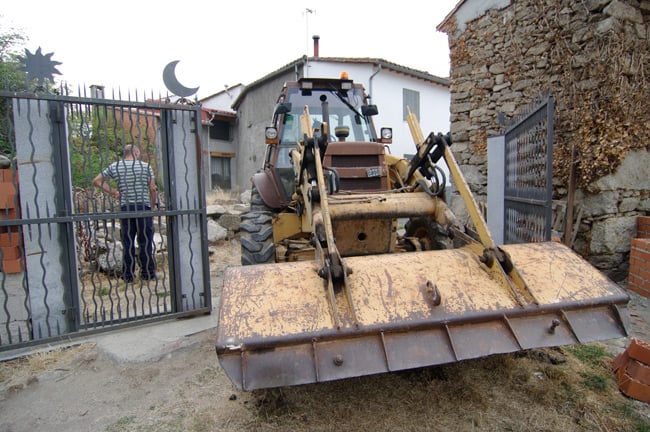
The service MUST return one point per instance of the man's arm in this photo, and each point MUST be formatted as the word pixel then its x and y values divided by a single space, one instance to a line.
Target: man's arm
pixel 100 182
pixel 153 191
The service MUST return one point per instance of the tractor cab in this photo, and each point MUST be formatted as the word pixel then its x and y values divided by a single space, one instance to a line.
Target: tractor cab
pixel 339 103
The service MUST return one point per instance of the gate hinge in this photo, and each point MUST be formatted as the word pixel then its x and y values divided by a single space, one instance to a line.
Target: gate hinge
pixel 70 313
pixel 56 114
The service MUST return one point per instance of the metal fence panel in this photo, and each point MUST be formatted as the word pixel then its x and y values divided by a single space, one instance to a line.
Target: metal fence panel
pixel 529 176
pixel 61 248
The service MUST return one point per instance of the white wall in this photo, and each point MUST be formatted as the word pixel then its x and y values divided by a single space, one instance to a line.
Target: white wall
pixel 387 89
pixel 222 100
pixel 388 94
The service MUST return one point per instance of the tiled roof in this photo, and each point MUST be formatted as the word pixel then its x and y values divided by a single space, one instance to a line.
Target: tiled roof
pixel 356 60
pixel 207 114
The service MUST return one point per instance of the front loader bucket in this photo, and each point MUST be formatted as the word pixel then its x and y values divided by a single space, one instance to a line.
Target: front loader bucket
pixel 277 326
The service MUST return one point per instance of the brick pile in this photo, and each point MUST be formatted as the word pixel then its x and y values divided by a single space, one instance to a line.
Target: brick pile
pixel 639 278
pixel 10 239
pixel 632 369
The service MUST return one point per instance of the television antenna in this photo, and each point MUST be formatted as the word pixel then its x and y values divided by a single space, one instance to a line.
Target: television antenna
pixel 306 13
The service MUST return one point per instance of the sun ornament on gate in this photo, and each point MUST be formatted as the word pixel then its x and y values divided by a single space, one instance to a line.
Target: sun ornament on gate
pixel 39 67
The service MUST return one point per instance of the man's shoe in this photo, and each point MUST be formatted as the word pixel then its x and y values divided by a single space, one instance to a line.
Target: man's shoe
pixel 155 276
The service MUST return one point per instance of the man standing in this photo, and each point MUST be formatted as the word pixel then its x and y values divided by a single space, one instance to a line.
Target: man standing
pixel 136 191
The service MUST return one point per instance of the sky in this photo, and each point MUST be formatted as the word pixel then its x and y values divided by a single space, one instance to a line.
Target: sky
pixel 126 45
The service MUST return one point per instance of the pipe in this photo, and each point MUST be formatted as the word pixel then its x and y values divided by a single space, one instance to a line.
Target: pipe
pixel 370 80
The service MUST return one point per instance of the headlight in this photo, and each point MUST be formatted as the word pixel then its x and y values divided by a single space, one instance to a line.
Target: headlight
pixel 271 133
pixel 386 133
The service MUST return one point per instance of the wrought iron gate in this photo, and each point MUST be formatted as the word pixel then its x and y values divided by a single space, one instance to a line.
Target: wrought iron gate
pixel 529 175
pixel 60 245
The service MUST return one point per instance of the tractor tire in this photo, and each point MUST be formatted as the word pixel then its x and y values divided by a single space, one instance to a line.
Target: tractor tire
pixel 429 234
pixel 256 233
pixel 257 203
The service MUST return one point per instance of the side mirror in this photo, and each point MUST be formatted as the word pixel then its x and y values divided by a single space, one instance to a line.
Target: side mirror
pixel 283 108
pixel 369 110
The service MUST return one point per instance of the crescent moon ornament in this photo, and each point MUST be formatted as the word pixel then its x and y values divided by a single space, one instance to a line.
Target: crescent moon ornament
pixel 172 84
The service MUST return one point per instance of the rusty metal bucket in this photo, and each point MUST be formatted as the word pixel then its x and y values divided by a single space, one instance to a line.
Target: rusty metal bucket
pixel 277 326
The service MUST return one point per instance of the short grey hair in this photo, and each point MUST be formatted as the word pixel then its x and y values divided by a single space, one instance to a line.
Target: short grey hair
pixel 130 149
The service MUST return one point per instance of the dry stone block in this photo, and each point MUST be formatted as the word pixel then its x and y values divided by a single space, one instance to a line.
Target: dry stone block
pixel 612 235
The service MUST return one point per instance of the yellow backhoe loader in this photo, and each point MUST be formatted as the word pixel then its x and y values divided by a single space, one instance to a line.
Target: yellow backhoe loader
pixel 332 287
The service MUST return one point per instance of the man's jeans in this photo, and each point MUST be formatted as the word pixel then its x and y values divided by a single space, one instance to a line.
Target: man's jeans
pixel 142 229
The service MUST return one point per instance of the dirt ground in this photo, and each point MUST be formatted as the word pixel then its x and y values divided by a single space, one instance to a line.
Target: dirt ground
pixel 81 388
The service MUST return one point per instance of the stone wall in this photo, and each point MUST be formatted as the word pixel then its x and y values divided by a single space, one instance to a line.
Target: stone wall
pixel 593 55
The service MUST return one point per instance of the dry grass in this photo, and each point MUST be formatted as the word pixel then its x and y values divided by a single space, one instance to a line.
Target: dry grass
pixel 18 373
pixel 507 392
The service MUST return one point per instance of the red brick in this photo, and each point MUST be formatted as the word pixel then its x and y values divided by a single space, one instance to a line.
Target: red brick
pixel 643 255
pixel 643 227
pixel 8 176
pixel 620 361
pixel 639 274
pixel 636 260
pixel 632 387
pixel 638 371
pixel 639 350
pixel 10 252
pixel 645 284
pixel 639 290
pixel 8 201
pixel 642 274
pixel 12 266
pixel 634 277
pixel 638 265
pixel 633 283
pixel 644 271
pixel 641 243
pixel 10 239
pixel 8 213
pixel 8 188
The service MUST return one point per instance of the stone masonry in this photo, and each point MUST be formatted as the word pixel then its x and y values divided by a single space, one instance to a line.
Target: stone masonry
pixel 593 55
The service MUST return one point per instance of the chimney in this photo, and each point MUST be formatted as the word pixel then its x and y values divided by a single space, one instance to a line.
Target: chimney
pixel 97 91
pixel 315 38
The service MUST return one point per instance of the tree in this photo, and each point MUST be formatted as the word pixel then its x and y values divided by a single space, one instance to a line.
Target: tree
pixel 11 41
pixel 11 79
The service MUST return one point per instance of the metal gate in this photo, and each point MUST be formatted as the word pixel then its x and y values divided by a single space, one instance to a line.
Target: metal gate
pixel 529 176
pixel 61 238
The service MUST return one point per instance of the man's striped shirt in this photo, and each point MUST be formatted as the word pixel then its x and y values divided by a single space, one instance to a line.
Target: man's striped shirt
pixel 132 177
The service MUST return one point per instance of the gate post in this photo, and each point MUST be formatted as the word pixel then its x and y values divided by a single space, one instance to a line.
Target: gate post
pixel 496 186
pixel 188 228
pixel 40 197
